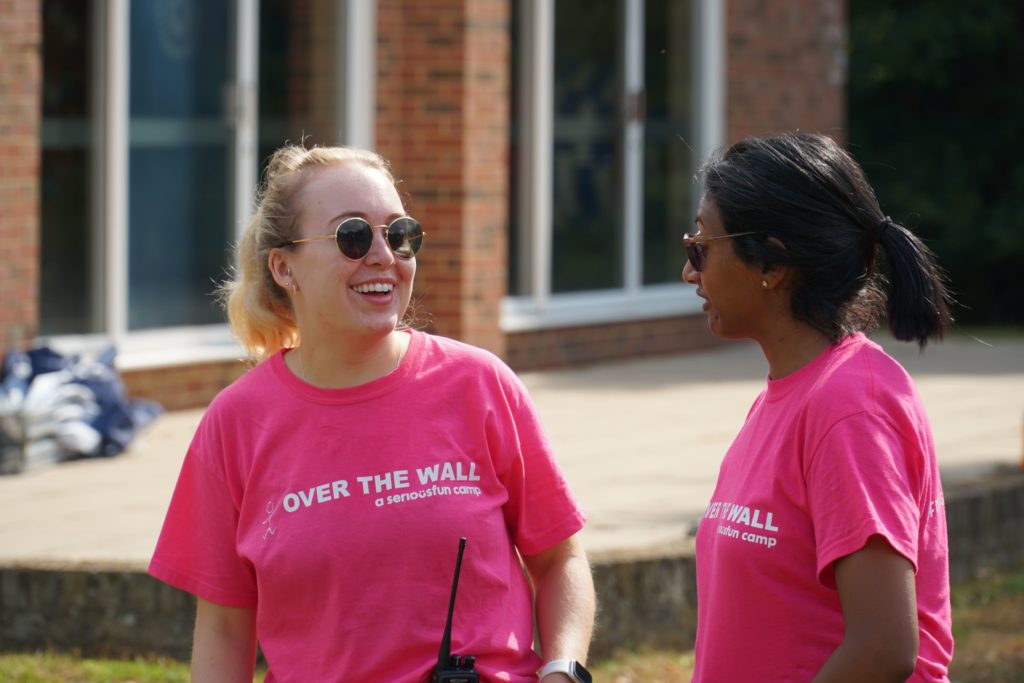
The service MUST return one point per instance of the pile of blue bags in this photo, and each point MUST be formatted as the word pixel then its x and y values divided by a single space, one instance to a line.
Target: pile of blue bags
pixel 55 407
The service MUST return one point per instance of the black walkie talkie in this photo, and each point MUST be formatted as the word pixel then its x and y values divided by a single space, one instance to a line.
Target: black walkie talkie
pixel 454 668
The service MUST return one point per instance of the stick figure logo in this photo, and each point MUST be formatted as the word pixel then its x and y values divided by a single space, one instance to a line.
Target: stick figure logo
pixel 269 521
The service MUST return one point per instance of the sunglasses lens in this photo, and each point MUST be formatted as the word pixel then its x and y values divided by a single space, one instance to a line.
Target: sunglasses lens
pixel 405 237
pixel 354 238
pixel 695 254
pixel 697 257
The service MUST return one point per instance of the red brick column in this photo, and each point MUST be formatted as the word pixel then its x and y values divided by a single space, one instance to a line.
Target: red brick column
pixel 442 120
pixel 20 114
pixel 786 67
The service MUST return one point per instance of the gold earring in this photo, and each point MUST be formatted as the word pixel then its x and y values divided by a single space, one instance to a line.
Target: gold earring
pixel 764 284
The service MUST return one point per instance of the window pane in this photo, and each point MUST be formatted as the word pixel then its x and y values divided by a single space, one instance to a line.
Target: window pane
pixel 587 204
pixel 668 135
pixel 518 281
pixel 67 275
pixel 299 73
pixel 180 142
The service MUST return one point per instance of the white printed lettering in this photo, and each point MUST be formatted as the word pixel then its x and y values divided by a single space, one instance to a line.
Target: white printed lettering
pixel 753 522
pixel 323 493
pixel 427 474
pixel 447 473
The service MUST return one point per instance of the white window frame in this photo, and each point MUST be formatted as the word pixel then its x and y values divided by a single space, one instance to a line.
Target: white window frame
pixel 542 308
pixel 179 345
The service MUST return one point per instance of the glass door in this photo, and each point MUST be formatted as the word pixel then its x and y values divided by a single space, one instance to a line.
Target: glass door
pixel 180 154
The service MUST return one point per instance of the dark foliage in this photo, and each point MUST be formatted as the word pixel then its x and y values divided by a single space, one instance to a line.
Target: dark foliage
pixel 936 105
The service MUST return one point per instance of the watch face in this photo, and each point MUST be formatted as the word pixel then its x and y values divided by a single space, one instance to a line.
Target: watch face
pixel 580 673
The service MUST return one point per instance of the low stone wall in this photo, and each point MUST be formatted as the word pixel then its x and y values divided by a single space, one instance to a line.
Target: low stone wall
pixel 101 609
pixel 646 600
pixel 986 525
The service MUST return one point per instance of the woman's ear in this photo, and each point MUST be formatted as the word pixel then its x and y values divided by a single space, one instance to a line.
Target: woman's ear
pixel 277 262
pixel 775 275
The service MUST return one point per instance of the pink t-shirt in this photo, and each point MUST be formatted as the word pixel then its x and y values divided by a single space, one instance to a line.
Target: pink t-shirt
pixel 337 515
pixel 830 455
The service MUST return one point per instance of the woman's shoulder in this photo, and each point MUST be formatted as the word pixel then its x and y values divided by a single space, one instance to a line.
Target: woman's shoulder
pixel 861 358
pixel 860 375
pixel 455 351
pixel 458 361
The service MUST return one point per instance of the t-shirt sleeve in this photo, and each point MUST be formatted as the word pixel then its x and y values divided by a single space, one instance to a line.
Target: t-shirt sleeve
pixel 541 511
pixel 861 482
pixel 196 551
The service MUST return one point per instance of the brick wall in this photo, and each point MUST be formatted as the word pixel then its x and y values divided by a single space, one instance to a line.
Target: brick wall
pixel 786 67
pixel 20 114
pixel 179 388
pixel 593 343
pixel 442 121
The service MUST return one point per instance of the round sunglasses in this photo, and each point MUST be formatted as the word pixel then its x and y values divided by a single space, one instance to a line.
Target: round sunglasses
pixel 354 237
pixel 694 245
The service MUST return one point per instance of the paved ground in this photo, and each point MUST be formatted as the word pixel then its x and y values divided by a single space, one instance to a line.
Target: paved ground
pixel 640 442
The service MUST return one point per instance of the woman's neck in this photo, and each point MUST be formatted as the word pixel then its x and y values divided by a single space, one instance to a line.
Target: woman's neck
pixel 790 347
pixel 332 364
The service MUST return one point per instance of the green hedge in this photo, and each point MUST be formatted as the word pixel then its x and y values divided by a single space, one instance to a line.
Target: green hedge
pixel 936 117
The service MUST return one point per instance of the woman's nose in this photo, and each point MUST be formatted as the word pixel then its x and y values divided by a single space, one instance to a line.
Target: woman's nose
pixel 690 274
pixel 380 252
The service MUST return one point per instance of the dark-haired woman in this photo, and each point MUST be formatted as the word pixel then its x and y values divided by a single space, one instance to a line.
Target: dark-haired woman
pixel 822 555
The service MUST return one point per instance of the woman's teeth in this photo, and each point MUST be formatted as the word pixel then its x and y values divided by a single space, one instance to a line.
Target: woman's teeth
pixel 373 288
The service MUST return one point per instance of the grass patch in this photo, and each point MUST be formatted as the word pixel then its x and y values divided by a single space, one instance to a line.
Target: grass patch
pixel 988 630
pixel 645 667
pixel 49 667
pixel 988 626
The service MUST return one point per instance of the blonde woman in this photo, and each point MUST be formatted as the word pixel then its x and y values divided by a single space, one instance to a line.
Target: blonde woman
pixel 321 502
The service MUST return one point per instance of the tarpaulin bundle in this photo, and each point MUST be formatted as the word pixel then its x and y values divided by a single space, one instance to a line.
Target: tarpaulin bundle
pixel 55 407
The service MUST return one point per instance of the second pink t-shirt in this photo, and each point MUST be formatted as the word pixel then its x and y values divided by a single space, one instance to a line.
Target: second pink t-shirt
pixel 829 456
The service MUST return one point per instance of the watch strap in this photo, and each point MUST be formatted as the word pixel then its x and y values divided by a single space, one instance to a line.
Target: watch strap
pixel 569 667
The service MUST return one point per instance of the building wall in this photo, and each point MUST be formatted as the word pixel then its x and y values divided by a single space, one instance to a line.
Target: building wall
pixel 786 65
pixel 186 386
pixel 442 121
pixel 20 116
pixel 786 70
pixel 566 347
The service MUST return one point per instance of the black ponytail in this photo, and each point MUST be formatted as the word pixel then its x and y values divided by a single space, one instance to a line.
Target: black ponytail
pixel 918 302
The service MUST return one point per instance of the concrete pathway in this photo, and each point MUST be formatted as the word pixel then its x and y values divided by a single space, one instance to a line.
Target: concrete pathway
pixel 640 442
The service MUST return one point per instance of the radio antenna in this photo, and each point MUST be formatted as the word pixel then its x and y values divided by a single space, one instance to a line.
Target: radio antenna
pixel 445 653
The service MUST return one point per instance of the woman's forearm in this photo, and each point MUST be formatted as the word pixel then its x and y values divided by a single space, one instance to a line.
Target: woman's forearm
pixel 224 644
pixel 565 600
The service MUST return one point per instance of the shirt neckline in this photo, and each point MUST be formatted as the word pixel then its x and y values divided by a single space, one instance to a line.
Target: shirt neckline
pixel 778 389
pixel 406 368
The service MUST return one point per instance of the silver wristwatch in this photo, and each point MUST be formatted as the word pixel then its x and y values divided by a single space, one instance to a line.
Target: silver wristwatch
pixel 569 667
